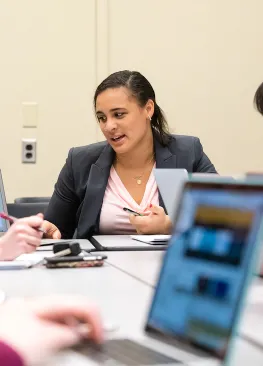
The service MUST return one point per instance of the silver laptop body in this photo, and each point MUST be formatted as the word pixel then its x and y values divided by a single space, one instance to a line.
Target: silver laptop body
pixel 170 183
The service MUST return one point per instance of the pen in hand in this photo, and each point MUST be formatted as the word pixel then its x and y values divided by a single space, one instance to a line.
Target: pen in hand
pixel 131 211
pixel 14 219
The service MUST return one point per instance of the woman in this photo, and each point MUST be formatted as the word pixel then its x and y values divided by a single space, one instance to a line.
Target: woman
pixel 258 99
pixel 99 180
pixel 22 237
pixel 33 330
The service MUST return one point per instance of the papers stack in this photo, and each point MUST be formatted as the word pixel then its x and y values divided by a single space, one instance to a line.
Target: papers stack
pixel 152 239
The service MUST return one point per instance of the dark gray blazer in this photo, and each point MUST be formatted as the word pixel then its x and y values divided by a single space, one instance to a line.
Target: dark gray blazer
pixel 79 191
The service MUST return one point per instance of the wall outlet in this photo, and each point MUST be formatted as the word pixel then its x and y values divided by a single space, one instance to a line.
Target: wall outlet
pixel 29 151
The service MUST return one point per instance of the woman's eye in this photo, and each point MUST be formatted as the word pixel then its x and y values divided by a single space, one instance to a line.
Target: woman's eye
pixel 101 118
pixel 119 115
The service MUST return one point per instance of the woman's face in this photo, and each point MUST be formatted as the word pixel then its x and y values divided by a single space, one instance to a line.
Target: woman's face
pixel 122 121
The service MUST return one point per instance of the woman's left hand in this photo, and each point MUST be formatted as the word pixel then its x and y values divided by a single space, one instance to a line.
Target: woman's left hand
pixel 155 222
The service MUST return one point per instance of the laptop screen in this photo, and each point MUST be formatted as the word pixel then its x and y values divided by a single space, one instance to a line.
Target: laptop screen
pixel 204 269
pixel 4 225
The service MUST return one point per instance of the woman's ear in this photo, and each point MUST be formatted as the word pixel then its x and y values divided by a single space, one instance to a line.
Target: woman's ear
pixel 149 108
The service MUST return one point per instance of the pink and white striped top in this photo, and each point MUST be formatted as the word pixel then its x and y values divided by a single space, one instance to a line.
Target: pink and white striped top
pixel 113 220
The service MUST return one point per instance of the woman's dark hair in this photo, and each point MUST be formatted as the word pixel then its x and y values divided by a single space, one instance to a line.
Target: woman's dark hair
pixel 142 90
pixel 258 99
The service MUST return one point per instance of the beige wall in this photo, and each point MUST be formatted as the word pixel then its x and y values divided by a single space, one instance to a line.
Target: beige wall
pixel 48 57
pixel 204 59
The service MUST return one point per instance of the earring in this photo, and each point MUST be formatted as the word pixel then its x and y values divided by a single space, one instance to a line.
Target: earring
pixel 149 118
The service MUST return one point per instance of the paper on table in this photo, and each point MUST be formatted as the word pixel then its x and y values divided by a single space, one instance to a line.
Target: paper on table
pixel 152 239
pixel 46 248
pixel 24 261
pixel 34 258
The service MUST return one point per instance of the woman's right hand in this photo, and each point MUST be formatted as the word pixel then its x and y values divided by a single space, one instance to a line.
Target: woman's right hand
pixel 52 232
pixel 22 237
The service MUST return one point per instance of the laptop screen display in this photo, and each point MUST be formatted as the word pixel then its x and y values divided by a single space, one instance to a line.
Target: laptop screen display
pixel 205 266
pixel 4 225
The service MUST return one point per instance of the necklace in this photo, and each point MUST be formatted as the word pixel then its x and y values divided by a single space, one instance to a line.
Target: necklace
pixel 138 178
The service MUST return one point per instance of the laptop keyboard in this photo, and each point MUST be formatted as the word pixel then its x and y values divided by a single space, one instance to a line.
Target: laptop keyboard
pixel 127 352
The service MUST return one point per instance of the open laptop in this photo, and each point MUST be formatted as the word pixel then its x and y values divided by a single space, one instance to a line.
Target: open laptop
pixel 170 183
pixel 4 224
pixel 202 284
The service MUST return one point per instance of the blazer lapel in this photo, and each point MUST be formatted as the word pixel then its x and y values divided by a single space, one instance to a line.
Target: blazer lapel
pixel 164 160
pixel 95 190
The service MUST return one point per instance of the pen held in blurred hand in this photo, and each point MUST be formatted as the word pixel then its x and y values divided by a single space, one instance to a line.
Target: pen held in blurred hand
pixel 14 219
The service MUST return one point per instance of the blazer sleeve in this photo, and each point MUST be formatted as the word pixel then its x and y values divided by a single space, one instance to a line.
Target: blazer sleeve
pixel 64 202
pixel 202 163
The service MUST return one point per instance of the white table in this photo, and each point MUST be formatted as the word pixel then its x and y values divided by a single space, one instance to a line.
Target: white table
pixel 143 266
pixel 122 288
pixel 115 292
